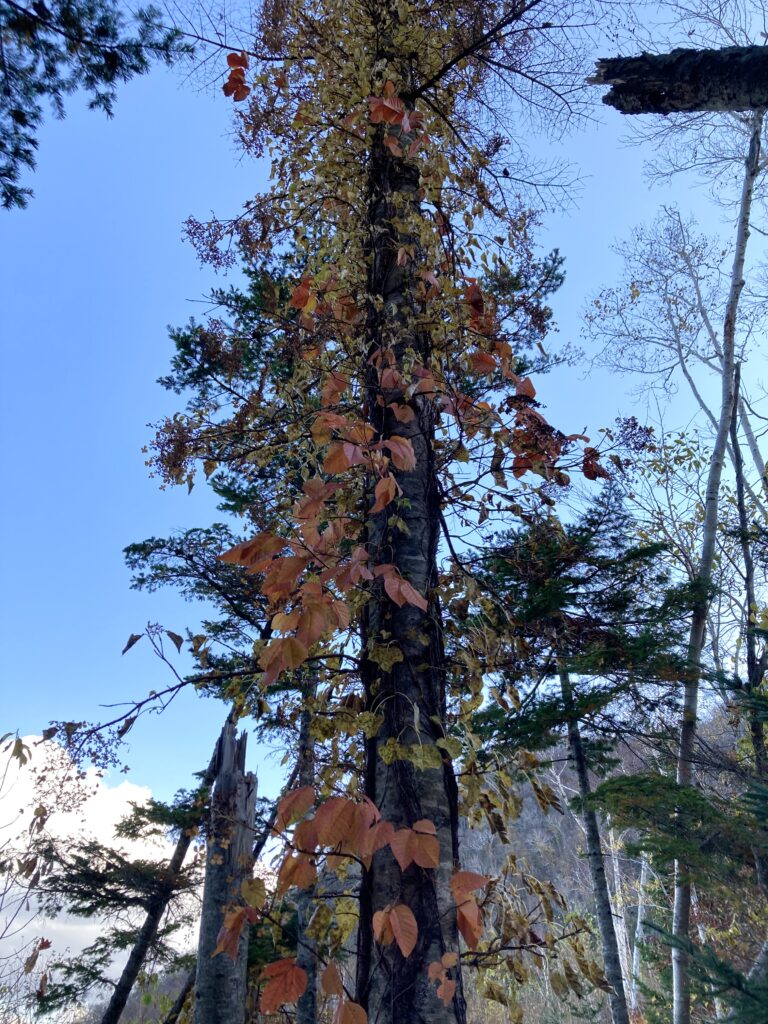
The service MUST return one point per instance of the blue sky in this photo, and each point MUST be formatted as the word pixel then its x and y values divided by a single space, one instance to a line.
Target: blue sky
pixel 92 273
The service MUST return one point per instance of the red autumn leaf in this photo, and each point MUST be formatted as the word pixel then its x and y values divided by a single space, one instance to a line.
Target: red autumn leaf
pixel 294 805
pixel 305 836
pixel 474 299
pixel 464 883
pixel 392 145
pixel 296 871
pixel 241 92
pixel 411 596
pixel 382 929
pixel 330 980
pixel 350 1013
pixel 285 984
pixel 482 363
pixel 435 970
pixel 300 296
pixel 335 386
pixel 293 651
pixel 228 939
pixel 335 820
pixel 237 60
pixel 418 845
pixel 446 990
pixel 336 460
pixel 470 922
pixel 386 491
pixel 391 378
pixel 387 108
pixel 526 388
pixel 426 845
pixel 404 928
pixel 591 467
pixel 401 452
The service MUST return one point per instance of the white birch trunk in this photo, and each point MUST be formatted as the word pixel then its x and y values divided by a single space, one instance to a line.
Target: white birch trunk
pixel 681 920
pixel 634 988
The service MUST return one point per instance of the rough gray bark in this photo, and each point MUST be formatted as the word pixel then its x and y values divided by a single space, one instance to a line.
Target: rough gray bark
pixel 220 982
pixel 634 989
pixel 734 78
pixel 306 956
pixel 681 914
pixel 158 903
pixel 619 909
pixel 595 859
pixel 410 695
pixel 756 663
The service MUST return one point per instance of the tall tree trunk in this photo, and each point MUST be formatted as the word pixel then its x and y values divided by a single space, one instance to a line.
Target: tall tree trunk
pixel 619 908
pixel 605 923
pixel 409 694
pixel 756 663
pixel 681 917
pixel 734 78
pixel 220 983
pixel 634 988
pixel 156 908
pixel 258 847
pixel 306 956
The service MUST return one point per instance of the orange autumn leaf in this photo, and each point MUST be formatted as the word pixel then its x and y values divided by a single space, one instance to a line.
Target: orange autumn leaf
pixel 470 922
pixel 482 363
pixel 446 990
pixel 237 60
pixel 392 144
pixel 294 805
pixel 300 296
pixel 335 386
pixel 256 553
pixel 335 820
pixel 385 492
pixel 336 460
pixel 404 928
pixel 401 452
pixel 387 108
pixel 305 836
pixel 228 939
pixel 382 929
pixel 526 388
pixel 296 871
pixel 435 970
pixel 286 982
pixel 417 845
pixel 396 924
pixel 330 980
pixel 350 1013
pixel 464 883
